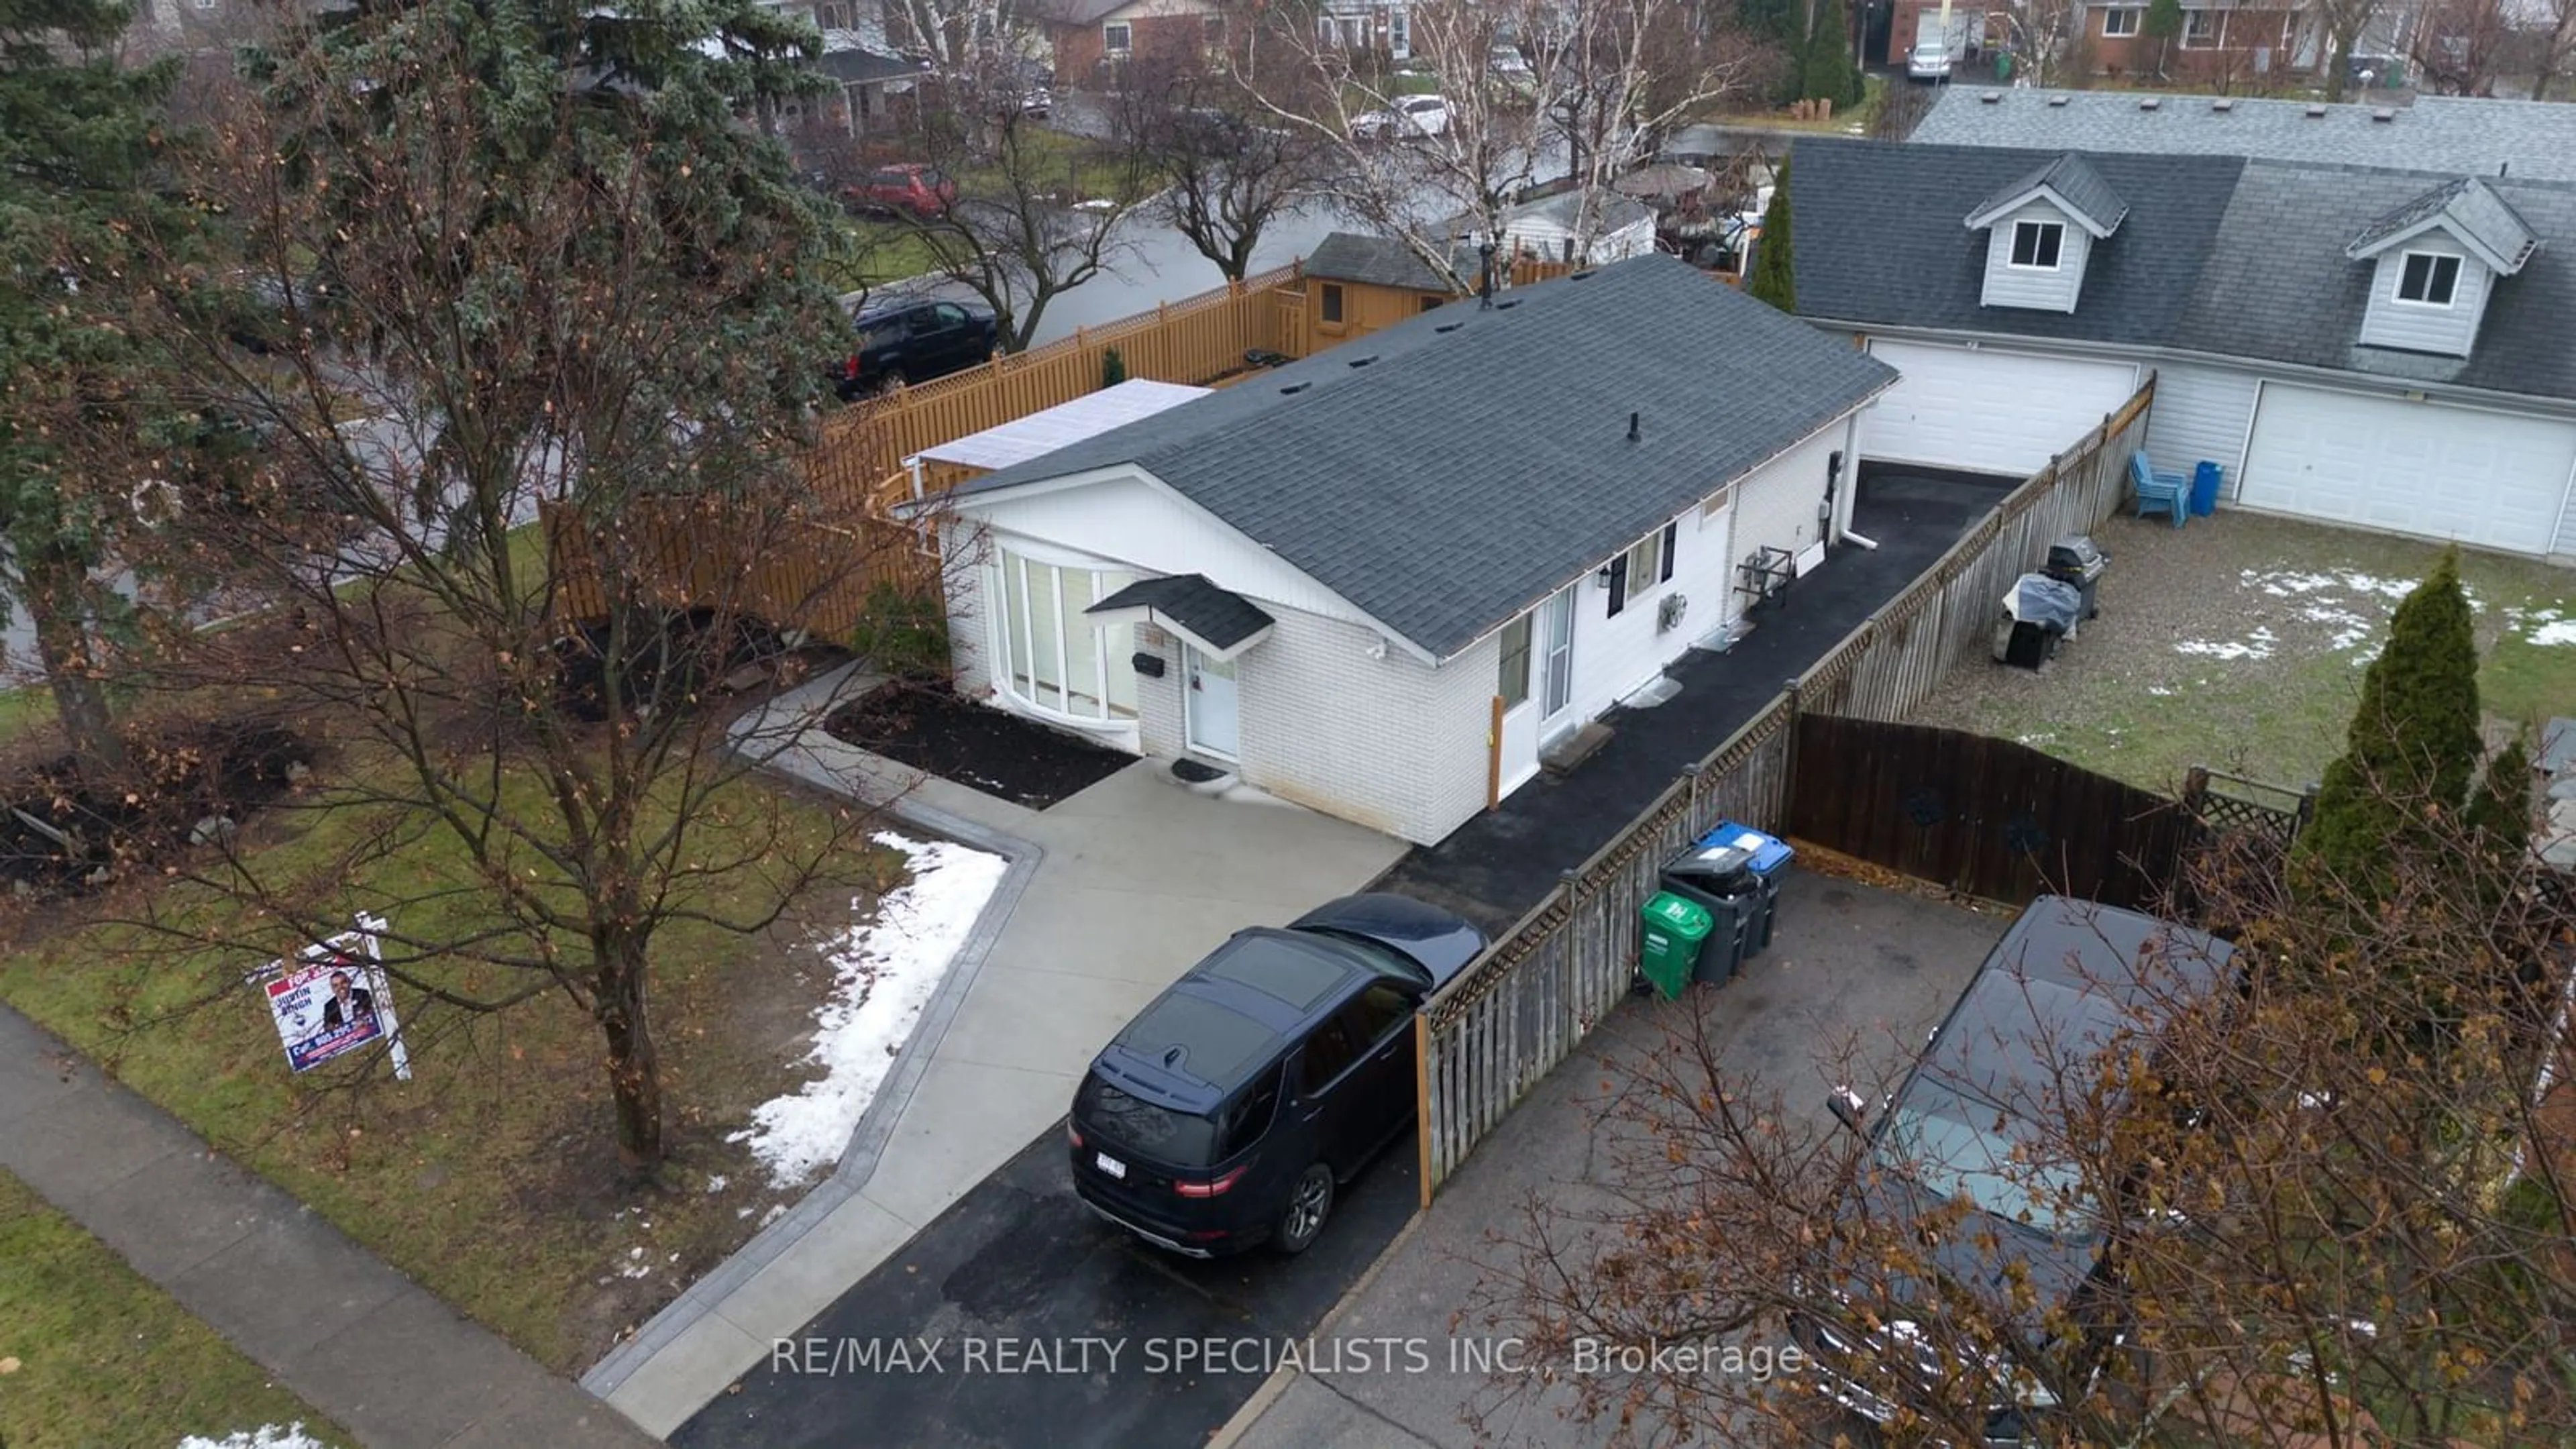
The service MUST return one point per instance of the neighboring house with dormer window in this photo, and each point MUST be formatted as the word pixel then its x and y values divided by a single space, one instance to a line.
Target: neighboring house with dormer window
pixel 2385 348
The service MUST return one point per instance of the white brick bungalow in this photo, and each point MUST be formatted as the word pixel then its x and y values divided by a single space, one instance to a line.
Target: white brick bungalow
pixel 1380 582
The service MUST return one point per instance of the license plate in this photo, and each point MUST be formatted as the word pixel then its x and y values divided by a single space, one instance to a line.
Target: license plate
pixel 1110 1165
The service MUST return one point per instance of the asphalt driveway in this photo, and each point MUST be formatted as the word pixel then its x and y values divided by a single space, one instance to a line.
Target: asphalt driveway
pixel 1022 1297
pixel 1851 963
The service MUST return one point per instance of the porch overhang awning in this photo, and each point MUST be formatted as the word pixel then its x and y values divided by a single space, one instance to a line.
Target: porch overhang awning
pixel 1216 623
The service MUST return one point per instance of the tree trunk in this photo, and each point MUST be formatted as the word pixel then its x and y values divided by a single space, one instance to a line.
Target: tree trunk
pixel 53 603
pixel 634 1069
pixel 2342 66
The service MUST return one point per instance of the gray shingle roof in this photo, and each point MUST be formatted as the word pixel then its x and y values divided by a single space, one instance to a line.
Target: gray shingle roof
pixel 2470 208
pixel 1611 211
pixel 864 67
pixel 1197 604
pixel 2220 256
pixel 2451 135
pixel 1377 260
pixel 2077 187
pixel 1450 471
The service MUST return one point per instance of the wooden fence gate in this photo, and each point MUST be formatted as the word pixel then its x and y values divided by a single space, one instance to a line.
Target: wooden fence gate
pixel 1982 816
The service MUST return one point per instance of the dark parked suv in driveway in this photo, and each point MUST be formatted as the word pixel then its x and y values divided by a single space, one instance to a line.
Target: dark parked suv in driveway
pixel 2069 981
pixel 912 340
pixel 1228 1112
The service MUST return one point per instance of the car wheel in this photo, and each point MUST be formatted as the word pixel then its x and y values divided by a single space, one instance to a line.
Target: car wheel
pixel 893 378
pixel 1310 1202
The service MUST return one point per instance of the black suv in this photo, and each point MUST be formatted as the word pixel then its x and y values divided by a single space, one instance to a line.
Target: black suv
pixel 2069 981
pixel 911 340
pixel 1226 1113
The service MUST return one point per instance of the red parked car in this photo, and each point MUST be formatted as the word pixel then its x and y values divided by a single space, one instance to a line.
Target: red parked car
pixel 912 186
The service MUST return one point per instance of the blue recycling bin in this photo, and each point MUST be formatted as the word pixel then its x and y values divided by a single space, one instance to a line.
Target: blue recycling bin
pixel 1770 861
pixel 2204 490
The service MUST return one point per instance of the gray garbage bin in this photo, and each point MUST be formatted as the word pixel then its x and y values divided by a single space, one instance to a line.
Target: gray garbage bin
pixel 1721 879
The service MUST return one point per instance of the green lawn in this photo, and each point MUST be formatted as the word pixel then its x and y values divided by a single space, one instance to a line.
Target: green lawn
pixel 869 253
pixel 491 1176
pixel 2239 644
pixel 93 1355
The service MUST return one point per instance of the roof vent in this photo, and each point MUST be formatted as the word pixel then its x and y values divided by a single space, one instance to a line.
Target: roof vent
pixel 1579 276
pixel 1448 326
pixel 2058 100
pixel 1991 98
pixel 2223 104
pixel 2149 103
pixel 1363 361
pixel 1506 304
pixel 2315 109
pixel 1294 388
pixel 2384 113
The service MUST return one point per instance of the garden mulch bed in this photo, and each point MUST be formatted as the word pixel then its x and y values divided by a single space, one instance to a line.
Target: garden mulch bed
pixel 934 730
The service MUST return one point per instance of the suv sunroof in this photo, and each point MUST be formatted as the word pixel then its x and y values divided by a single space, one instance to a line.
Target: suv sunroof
pixel 1299 978
pixel 1215 1044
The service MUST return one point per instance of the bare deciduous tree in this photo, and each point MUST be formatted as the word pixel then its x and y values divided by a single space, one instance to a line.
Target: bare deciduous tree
pixel 2461 47
pixel 2325 1229
pixel 499 292
pixel 2555 27
pixel 1534 90
pixel 1030 213
pixel 2344 23
pixel 2044 37
pixel 1227 169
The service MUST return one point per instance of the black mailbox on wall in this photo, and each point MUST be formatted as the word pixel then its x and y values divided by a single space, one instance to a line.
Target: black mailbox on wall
pixel 1148 665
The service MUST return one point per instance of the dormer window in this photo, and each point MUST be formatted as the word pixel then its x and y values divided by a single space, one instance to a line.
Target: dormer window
pixel 2428 279
pixel 2037 244
pixel 2040 227
pixel 2439 257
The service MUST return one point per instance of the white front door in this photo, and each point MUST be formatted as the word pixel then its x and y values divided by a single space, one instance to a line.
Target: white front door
pixel 1984 410
pixel 2483 478
pixel 1215 719
pixel 1536 684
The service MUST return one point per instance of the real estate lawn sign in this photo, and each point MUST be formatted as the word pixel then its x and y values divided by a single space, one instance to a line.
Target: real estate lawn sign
pixel 335 999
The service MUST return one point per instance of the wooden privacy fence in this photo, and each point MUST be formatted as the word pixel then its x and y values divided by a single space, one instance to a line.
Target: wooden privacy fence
pixel 1482 1041
pixel 1194 341
pixel 1982 816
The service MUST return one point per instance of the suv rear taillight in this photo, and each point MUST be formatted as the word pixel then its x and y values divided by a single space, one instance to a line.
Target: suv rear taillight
pixel 1073 1132
pixel 1209 1188
pixel 850 369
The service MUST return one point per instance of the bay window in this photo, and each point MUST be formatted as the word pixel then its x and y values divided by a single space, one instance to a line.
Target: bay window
pixel 1052 656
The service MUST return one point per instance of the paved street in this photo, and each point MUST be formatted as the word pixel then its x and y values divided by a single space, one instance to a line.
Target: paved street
pixel 1849 959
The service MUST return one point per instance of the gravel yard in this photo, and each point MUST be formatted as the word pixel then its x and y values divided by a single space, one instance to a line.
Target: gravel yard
pixel 2238 642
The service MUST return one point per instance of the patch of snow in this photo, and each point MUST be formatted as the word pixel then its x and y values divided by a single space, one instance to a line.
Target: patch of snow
pixel 716 1183
pixel 2257 645
pixel 743 1212
pixel 2560 631
pixel 266 1436
pixel 776 1211
pixel 885 973
pixel 2158 690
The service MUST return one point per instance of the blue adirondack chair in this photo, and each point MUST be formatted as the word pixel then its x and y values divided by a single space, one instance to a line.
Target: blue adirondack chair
pixel 2168 491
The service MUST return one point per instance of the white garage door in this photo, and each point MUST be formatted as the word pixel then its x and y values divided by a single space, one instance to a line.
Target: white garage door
pixel 1987 411
pixel 2423 468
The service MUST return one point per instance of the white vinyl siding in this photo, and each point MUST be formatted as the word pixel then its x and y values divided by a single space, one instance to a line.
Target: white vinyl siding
pixel 2045 289
pixel 2490 479
pixel 2201 413
pixel 1985 409
pixel 2422 326
pixel 1139 524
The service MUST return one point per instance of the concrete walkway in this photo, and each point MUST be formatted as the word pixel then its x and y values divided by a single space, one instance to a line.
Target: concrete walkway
pixel 359 1341
pixel 1113 893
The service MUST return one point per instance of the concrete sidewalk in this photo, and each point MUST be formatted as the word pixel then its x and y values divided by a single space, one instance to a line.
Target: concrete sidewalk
pixel 359 1341
pixel 1850 962
pixel 1112 894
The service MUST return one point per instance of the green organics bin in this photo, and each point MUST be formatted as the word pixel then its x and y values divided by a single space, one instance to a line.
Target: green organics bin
pixel 1670 935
